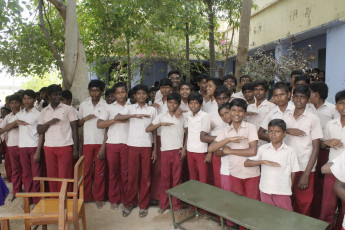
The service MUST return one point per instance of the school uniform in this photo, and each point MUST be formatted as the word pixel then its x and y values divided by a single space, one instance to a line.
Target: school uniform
pixel 93 139
pixel 117 155
pixel 184 107
pixel 171 164
pixel 238 95
pixel 275 182
pixel 8 166
pixel 139 152
pixel 210 106
pixel 58 142
pixel 333 130
pixel 244 180
pixel 13 152
pixel 310 124
pixel 262 110
pixel 28 142
pixel 338 169
pixel 276 113
pixel 196 150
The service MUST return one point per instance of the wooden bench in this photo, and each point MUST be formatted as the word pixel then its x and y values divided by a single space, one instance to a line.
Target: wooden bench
pixel 241 210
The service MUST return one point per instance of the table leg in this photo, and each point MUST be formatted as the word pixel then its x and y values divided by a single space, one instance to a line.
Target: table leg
pixel 172 212
pixel 221 223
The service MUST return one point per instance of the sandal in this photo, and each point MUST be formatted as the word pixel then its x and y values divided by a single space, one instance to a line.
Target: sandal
pixel 161 211
pixel 114 206
pixel 143 213
pixel 127 210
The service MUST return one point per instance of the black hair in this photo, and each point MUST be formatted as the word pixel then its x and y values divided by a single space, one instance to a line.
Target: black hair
pixel 6 108
pixel 340 96
pixel 165 82
pixel 109 91
pixel 296 72
pixel 120 85
pixel 302 77
pixel 153 89
pixel 53 88
pixel 29 93
pixel 201 77
pixel 15 97
pixel 317 70
pixel 321 88
pixel 174 72
pixel 245 76
pixel 239 102
pixel 278 122
pixel 196 96
pixel 140 87
pixel 248 86
pixel 66 94
pixel 43 89
pixel 302 89
pixel 215 81
pixel 280 85
pixel 174 96
pixel 220 90
pixel 230 76
pixel 191 87
pixel 96 83
pixel 225 105
pixel 261 82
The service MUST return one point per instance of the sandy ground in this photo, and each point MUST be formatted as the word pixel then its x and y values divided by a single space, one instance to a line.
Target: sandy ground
pixel 108 219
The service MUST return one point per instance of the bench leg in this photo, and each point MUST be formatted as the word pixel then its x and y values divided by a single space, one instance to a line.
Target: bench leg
pixel 5 225
pixel 221 223
pixel 172 212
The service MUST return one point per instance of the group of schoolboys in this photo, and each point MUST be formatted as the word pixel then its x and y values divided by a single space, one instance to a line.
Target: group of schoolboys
pixel 135 143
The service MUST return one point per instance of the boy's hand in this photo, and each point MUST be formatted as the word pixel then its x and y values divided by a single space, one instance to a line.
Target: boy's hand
pixel 272 163
pixel 141 116
pixel 154 155
pixel 303 182
pixel 178 113
pixel 236 139
pixel 19 122
pixel 89 117
pixel 101 154
pixel 53 121
pixel 37 155
pixel 75 154
pixel 166 124
pixel 226 150
pixel 296 132
pixel 208 158
pixel 183 153
pixel 155 105
pixel 334 143
pixel 252 114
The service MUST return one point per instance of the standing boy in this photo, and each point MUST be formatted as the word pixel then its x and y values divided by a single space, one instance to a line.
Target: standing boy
pixel 278 166
pixel 172 150
pixel 210 105
pixel 12 145
pixel 243 80
pixel 116 146
pixel 140 152
pixel 59 124
pixel 185 90
pixel 4 140
pixel 230 82
pixel 306 144
pixel 94 157
pixel 248 93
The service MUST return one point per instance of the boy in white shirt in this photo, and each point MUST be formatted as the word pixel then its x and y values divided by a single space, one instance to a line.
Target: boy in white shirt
pixel 210 105
pixel 278 166
pixel 94 156
pixel 172 149
pixel 4 138
pixel 185 90
pixel 140 151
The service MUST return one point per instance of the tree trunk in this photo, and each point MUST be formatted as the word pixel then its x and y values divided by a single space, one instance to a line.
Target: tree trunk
pixel 187 54
pixel 129 63
pixel 211 38
pixel 243 44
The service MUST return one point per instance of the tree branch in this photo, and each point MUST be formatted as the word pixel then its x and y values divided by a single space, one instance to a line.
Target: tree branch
pixel 60 6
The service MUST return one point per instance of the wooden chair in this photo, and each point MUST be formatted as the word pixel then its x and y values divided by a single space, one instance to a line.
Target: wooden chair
pixel 61 215
pixel 74 203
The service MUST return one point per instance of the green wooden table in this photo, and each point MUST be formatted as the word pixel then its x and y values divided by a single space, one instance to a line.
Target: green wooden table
pixel 241 210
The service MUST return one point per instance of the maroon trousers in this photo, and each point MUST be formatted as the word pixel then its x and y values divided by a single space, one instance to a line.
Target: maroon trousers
pixel 329 207
pixel 117 158
pixel 302 199
pixel 281 201
pixel 216 162
pixel 59 163
pixel 31 169
pixel 198 170
pixel 94 171
pixel 8 165
pixel 171 165
pixel 139 163
pixel 246 187
pixel 156 173
pixel 17 171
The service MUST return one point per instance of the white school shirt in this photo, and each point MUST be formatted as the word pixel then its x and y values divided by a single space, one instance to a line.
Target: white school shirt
pixel 118 132
pixel 171 136
pixel 277 180
pixel 334 130
pixel 325 112
pixel 137 137
pixel 184 107
pixel 4 136
pixel 276 113
pixel 238 95
pixel 210 106
pixel 13 134
pixel 159 96
pixel 195 125
pixel 310 124
pixel 163 108
pixel 92 134
pixel 338 170
pixel 28 136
